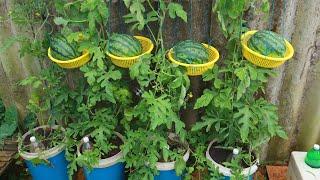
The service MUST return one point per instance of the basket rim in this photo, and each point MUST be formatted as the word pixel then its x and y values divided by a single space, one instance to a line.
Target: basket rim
pixel 84 54
pixel 211 48
pixel 134 57
pixel 246 48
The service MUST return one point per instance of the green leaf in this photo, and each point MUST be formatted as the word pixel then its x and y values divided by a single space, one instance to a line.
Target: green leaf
pixel 9 123
pixel 100 64
pixel 281 133
pixel 244 77
pixel 182 95
pixel 92 21
pixel 207 122
pixel 180 166
pixel 103 11
pixel 114 75
pixel 265 6
pixel 244 115
pixel 176 9
pixel 204 100
pixel 60 21
pixel 127 2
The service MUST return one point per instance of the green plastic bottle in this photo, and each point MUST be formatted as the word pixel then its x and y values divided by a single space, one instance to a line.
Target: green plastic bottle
pixel 313 157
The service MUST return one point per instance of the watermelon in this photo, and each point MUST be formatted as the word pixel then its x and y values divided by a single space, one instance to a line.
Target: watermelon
pixel 61 49
pixel 190 52
pixel 124 45
pixel 268 43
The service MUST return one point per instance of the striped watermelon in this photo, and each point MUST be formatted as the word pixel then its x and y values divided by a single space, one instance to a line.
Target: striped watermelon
pixel 190 52
pixel 61 49
pixel 124 45
pixel 268 43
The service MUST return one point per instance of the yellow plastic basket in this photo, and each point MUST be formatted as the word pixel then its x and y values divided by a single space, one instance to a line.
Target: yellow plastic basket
pixel 261 60
pixel 126 62
pixel 198 69
pixel 72 63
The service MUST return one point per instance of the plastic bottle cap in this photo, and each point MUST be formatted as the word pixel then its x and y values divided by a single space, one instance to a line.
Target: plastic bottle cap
pixel 32 139
pixel 316 147
pixel 235 151
pixel 85 139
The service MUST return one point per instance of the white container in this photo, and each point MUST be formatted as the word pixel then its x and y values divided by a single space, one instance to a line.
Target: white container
pixel 299 170
pixel 110 161
pixel 46 154
pixel 227 171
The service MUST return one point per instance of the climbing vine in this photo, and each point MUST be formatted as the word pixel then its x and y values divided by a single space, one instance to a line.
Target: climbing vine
pixel 237 112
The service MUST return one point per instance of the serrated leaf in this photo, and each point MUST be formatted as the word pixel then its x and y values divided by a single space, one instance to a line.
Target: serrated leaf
pixel 281 133
pixel 244 115
pixel 204 100
pixel 179 166
pixel 176 9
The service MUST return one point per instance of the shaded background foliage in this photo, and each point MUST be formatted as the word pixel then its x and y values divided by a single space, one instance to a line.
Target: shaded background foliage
pixel 295 90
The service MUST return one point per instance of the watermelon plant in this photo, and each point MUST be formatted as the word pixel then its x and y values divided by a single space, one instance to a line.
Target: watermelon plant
pixel 86 101
pixel 162 93
pixel 106 94
pixel 237 113
pixel 123 45
pixel 268 43
pixel 190 52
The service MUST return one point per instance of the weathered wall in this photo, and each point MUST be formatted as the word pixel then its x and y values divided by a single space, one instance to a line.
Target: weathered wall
pixel 291 90
pixel 295 90
pixel 12 67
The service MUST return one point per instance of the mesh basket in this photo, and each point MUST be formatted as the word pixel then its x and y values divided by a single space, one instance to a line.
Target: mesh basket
pixel 72 63
pixel 126 62
pixel 198 69
pixel 261 60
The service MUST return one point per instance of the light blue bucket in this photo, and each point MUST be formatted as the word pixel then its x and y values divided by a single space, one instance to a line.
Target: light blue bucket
pixel 227 171
pixel 55 169
pixel 109 168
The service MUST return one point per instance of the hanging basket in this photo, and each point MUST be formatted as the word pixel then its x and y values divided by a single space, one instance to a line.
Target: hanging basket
pixel 198 69
pixel 262 60
pixel 71 63
pixel 127 62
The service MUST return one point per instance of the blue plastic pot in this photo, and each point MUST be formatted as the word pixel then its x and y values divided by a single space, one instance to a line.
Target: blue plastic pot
pixel 109 168
pixel 55 169
pixel 227 171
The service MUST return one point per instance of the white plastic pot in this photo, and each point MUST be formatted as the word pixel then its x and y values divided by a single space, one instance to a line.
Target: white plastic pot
pixel 227 171
pixel 44 154
pixel 166 169
pixel 107 161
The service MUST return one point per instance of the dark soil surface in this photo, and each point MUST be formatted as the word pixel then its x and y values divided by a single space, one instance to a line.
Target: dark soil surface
pixel 45 137
pixel 115 140
pixel 174 146
pixel 220 155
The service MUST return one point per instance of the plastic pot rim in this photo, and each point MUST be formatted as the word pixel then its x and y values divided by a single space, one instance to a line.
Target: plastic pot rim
pixel 107 162
pixel 44 154
pixel 227 171
pixel 166 166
